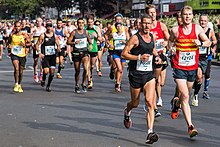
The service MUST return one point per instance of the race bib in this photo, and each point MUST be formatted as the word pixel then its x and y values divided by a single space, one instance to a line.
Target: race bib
pixel 82 43
pixel 187 58
pixel 62 42
pixel 159 46
pixel 202 50
pixel 1 37
pixel 119 45
pixel 49 50
pixel 17 50
pixel 145 66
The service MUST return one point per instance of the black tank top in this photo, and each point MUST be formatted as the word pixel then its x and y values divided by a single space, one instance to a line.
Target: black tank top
pixel 204 51
pixel 82 46
pixel 142 48
pixel 49 42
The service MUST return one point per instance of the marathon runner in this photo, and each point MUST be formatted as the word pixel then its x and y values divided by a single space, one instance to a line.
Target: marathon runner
pixel 37 31
pixel 79 39
pixel 48 40
pixel 203 58
pixel 62 35
pixel 185 61
pixel 95 35
pixel 141 52
pixel 17 44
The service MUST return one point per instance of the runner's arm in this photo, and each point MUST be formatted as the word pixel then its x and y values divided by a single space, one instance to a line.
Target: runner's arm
pixel 57 43
pixel 70 39
pixel 132 43
pixel 205 40
pixel 39 41
pixel 214 42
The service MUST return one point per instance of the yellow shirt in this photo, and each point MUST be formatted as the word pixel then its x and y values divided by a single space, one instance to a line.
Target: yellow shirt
pixel 16 49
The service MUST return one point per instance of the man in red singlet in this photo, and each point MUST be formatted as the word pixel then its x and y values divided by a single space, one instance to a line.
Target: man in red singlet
pixel 162 36
pixel 185 61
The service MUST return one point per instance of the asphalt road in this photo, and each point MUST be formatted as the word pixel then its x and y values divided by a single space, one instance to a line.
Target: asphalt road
pixel 62 118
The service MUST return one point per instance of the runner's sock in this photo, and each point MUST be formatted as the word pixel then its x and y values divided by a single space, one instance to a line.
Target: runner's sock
pixel 197 87
pixel 50 79
pixel 44 77
pixel 59 69
pixel 206 86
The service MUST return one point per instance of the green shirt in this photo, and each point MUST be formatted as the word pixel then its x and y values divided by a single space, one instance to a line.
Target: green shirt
pixel 93 34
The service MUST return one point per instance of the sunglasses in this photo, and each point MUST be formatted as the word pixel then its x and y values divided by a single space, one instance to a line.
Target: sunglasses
pixel 49 25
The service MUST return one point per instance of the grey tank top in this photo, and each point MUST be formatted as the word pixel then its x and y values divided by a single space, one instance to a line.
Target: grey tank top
pixel 82 45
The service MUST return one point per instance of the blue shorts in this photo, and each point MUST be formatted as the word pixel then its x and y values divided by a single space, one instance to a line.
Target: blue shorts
pixel 184 74
pixel 115 56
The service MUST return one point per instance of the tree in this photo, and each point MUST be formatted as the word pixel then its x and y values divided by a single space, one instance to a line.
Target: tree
pixel 60 5
pixel 20 7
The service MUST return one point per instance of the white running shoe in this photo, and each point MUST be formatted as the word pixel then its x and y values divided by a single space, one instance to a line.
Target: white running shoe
pixel 195 101
pixel 159 102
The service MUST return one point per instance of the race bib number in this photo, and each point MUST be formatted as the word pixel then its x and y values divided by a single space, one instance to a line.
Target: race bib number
pixel 49 50
pixel 82 43
pixel 159 46
pixel 202 50
pixel 119 45
pixel 187 58
pixel 145 66
pixel 17 50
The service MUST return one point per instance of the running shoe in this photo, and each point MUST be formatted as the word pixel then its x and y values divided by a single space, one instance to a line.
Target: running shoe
pixel 156 113
pixel 59 76
pixel 77 90
pixel 16 88
pixel 99 73
pixel 192 131
pixel 195 101
pixel 84 88
pixel 160 102
pixel 175 109
pixel 20 90
pixel 151 138
pixel 41 77
pixel 42 83
pixel 127 119
pixel 62 66
pixel 48 89
pixel 117 88
pixel 90 84
pixel 36 79
pixel 205 95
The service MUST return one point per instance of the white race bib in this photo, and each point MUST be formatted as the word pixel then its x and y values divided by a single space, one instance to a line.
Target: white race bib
pixel 187 58
pixel 202 50
pixel 1 37
pixel 119 45
pixel 159 46
pixel 49 50
pixel 62 42
pixel 145 66
pixel 82 43
pixel 17 50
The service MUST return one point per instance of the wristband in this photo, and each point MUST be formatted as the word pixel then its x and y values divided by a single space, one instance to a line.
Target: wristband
pixel 139 57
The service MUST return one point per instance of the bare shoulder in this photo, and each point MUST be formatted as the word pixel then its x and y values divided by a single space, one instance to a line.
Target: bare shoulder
pixel 163 26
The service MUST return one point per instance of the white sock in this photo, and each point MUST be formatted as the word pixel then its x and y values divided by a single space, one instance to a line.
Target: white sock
pixel 150 131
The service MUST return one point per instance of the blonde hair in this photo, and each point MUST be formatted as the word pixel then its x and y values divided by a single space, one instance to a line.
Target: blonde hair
pixel 149 7
pixel 186 8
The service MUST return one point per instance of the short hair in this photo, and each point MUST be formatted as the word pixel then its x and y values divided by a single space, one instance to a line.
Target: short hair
pixel 81 18
pixel 59 19
pixel 204 15
pixel 186 8
pixel 97 21
pixel 149 7
pixel 91 16
pixel 146 16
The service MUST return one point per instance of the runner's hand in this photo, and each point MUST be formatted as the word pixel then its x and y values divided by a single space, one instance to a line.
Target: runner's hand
pixel 145 57
pixel 41 55
pixel 158 60
pixel 197 42
pixel 77 41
